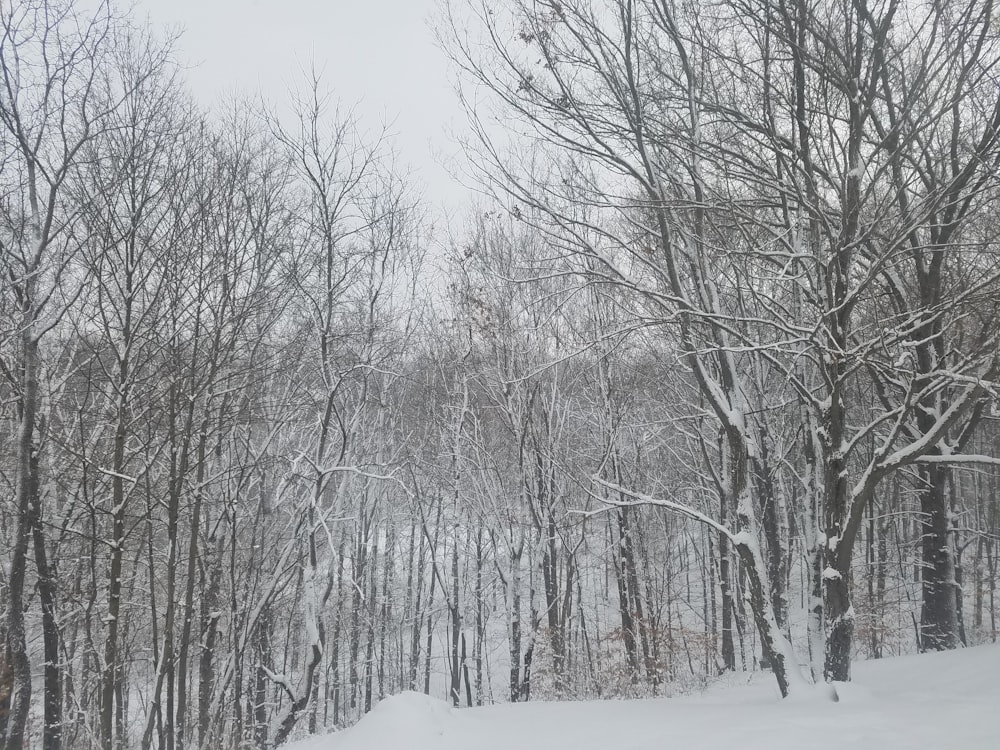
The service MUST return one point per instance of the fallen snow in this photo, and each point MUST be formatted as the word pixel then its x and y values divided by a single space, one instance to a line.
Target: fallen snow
pixel 831 574
pixel 942 701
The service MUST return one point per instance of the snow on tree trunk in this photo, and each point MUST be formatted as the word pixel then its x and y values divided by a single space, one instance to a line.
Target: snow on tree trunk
pixel 938 610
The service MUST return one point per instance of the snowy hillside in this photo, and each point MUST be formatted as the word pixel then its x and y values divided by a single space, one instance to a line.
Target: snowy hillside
pixel 947 701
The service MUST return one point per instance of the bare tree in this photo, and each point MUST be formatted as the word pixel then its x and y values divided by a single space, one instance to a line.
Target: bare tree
pixel 612 134
pixel 750 176
pixel 51 108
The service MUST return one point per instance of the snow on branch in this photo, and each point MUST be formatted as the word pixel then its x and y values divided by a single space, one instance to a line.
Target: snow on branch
pixel 280 680
pixel 685 510
pixel 116 475
pixel 957 458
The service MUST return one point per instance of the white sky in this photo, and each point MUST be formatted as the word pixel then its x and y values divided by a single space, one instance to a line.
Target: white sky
pixel 378 55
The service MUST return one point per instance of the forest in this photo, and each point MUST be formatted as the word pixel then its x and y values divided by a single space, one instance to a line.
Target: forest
pixel 705 380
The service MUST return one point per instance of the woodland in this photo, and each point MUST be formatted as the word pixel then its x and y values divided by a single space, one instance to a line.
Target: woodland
pixel 705 381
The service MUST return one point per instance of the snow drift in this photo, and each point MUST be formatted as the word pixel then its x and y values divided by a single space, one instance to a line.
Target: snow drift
pixel 946 701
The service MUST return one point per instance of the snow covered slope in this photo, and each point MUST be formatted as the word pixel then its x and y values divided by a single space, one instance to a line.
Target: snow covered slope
pixel 947 701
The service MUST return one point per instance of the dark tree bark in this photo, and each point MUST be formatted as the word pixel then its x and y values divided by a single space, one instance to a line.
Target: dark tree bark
pixel 416 613
pixel 938 613
pixel 211 603
pixel 772 525
pixel 726 588
pixel 628 629
pixel 262 645
pixel 6 681
pixel 52 730
pixel 26 503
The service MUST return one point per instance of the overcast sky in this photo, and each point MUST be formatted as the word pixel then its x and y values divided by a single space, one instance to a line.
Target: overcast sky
pixel 377 54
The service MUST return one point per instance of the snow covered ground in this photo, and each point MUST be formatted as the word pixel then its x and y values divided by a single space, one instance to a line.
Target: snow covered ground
pixel 947 701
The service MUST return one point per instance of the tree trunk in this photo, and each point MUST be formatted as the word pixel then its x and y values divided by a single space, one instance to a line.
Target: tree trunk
pixel 836 552
pixel 938 612
pixel 477 646
pixel 514 622
pixel 772 525
pixel 416 614
pixel 28 514
pixel 52 730
pixel 840 615
pixel 726 589
pixel 112 659
pixel 210 613
pixel 456 624
pixel 624 606
pixel 635 592
pixel 260 697
pixel 6 682
pixel 187 626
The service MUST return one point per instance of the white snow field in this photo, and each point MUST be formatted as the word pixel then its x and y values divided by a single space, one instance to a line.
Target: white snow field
pixel 945 701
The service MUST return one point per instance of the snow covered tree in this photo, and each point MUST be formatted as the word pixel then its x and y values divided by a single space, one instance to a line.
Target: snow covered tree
pixel 754 177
